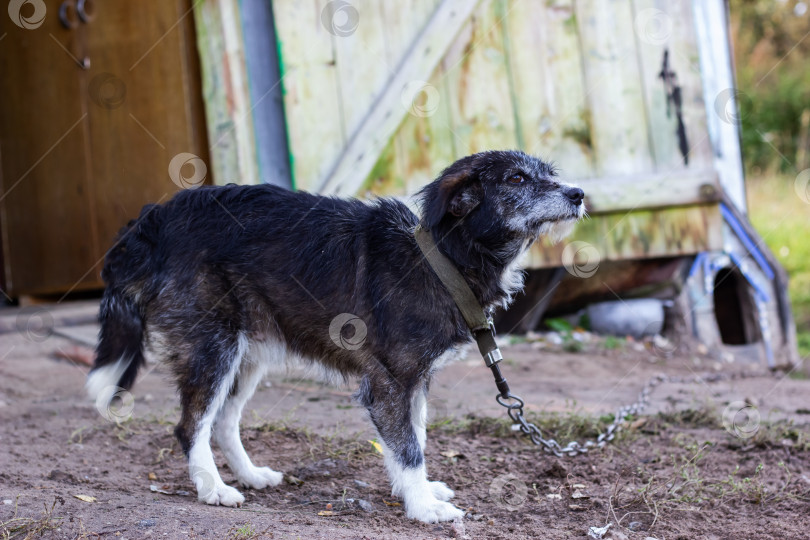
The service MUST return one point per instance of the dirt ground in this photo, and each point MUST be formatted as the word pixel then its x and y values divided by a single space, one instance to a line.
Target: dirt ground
pixel 677 472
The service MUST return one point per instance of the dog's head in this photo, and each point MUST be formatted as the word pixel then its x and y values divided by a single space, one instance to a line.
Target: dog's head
pixel 498 196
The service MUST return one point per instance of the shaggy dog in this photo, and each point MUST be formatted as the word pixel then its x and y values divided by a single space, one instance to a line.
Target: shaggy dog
pixel 222 283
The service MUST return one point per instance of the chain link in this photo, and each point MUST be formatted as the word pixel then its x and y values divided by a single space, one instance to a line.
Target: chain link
pixel 514 407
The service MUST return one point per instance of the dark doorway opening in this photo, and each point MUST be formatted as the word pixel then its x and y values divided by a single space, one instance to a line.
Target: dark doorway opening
pixel 734 308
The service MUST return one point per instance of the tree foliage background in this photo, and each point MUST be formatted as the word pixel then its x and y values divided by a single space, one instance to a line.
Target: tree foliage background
pixel 772 54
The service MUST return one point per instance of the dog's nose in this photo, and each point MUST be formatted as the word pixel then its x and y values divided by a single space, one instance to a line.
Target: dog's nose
pixel 575 195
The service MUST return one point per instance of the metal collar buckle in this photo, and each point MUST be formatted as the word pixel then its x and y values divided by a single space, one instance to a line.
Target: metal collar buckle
pixel 493 357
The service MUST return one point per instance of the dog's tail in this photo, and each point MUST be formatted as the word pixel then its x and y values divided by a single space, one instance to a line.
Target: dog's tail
pixel 119 354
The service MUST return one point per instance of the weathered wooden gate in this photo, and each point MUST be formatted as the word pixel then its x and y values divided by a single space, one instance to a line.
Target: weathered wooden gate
pixel 634 100
pixel 380 96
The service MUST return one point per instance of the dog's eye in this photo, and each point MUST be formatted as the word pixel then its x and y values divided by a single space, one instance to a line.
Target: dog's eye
pixel 516 179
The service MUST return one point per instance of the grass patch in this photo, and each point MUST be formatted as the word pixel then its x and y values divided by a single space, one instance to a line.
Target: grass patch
pixel 247 532
pixel 562 427
pixel 576 426
pixel 781 218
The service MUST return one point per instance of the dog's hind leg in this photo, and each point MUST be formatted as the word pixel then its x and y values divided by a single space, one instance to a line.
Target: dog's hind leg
pixel 204 387
pixel 419 421
pixel 384 397
pixel 226 430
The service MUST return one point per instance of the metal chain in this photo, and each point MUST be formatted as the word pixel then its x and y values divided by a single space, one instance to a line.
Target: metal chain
pixel 514 407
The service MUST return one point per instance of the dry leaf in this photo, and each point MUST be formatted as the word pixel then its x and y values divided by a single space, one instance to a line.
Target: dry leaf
pixel 326 513
pixel 392 503
pixel 152 476
pixel 450 454
pixel 156 489
pixel 85 498
pixel 377 446
pixel 599 532
pixel 638 423
pixel 293 480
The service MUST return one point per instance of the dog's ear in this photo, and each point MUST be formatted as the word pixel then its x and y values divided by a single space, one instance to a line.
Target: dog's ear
pixel 456 192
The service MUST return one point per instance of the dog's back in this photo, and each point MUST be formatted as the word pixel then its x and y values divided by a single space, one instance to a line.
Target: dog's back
pixel 219 253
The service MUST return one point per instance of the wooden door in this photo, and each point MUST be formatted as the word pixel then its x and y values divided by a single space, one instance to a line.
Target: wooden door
pixel 91 118
pixel 46 205
pixel 148 49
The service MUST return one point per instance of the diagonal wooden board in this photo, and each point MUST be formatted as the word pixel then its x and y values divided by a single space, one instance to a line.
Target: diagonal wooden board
pixel 387 113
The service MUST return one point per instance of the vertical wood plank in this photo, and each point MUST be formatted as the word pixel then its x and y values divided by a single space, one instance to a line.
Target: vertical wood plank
pixel 387 113
pixel 363 66
pixel 403 22
pixel 310 84
pixel 546 65
pixel 226 92
pixel 423 144
pixel 478 81
pixel 421 148
pixel 668 26
pixel 613 85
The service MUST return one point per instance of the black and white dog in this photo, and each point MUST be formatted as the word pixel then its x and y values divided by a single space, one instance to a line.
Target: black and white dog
pixel 222 283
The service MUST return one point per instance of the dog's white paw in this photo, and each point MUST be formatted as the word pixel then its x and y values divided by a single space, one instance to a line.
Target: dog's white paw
pixel 221 495
pixel 441 491
pixel 432 511
pixel 261 477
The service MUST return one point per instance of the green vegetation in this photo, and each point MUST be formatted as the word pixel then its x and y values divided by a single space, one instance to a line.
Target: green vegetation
pixel 771 51
pixel 566 331
pixel 782 219
pixel 247 532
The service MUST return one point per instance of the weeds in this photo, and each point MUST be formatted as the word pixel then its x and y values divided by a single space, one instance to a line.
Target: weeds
pixel 613 342
pixel 566 331
pixel 25 527
pixel 563 427
pixel 246 531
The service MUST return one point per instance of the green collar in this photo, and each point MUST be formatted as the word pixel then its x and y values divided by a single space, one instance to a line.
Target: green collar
pixel 474 315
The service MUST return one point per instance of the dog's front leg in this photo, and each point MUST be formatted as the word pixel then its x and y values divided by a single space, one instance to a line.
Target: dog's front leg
pixel 390 405
pixel 419 421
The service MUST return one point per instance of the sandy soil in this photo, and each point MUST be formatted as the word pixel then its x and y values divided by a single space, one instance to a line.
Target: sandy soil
pixel 676 473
